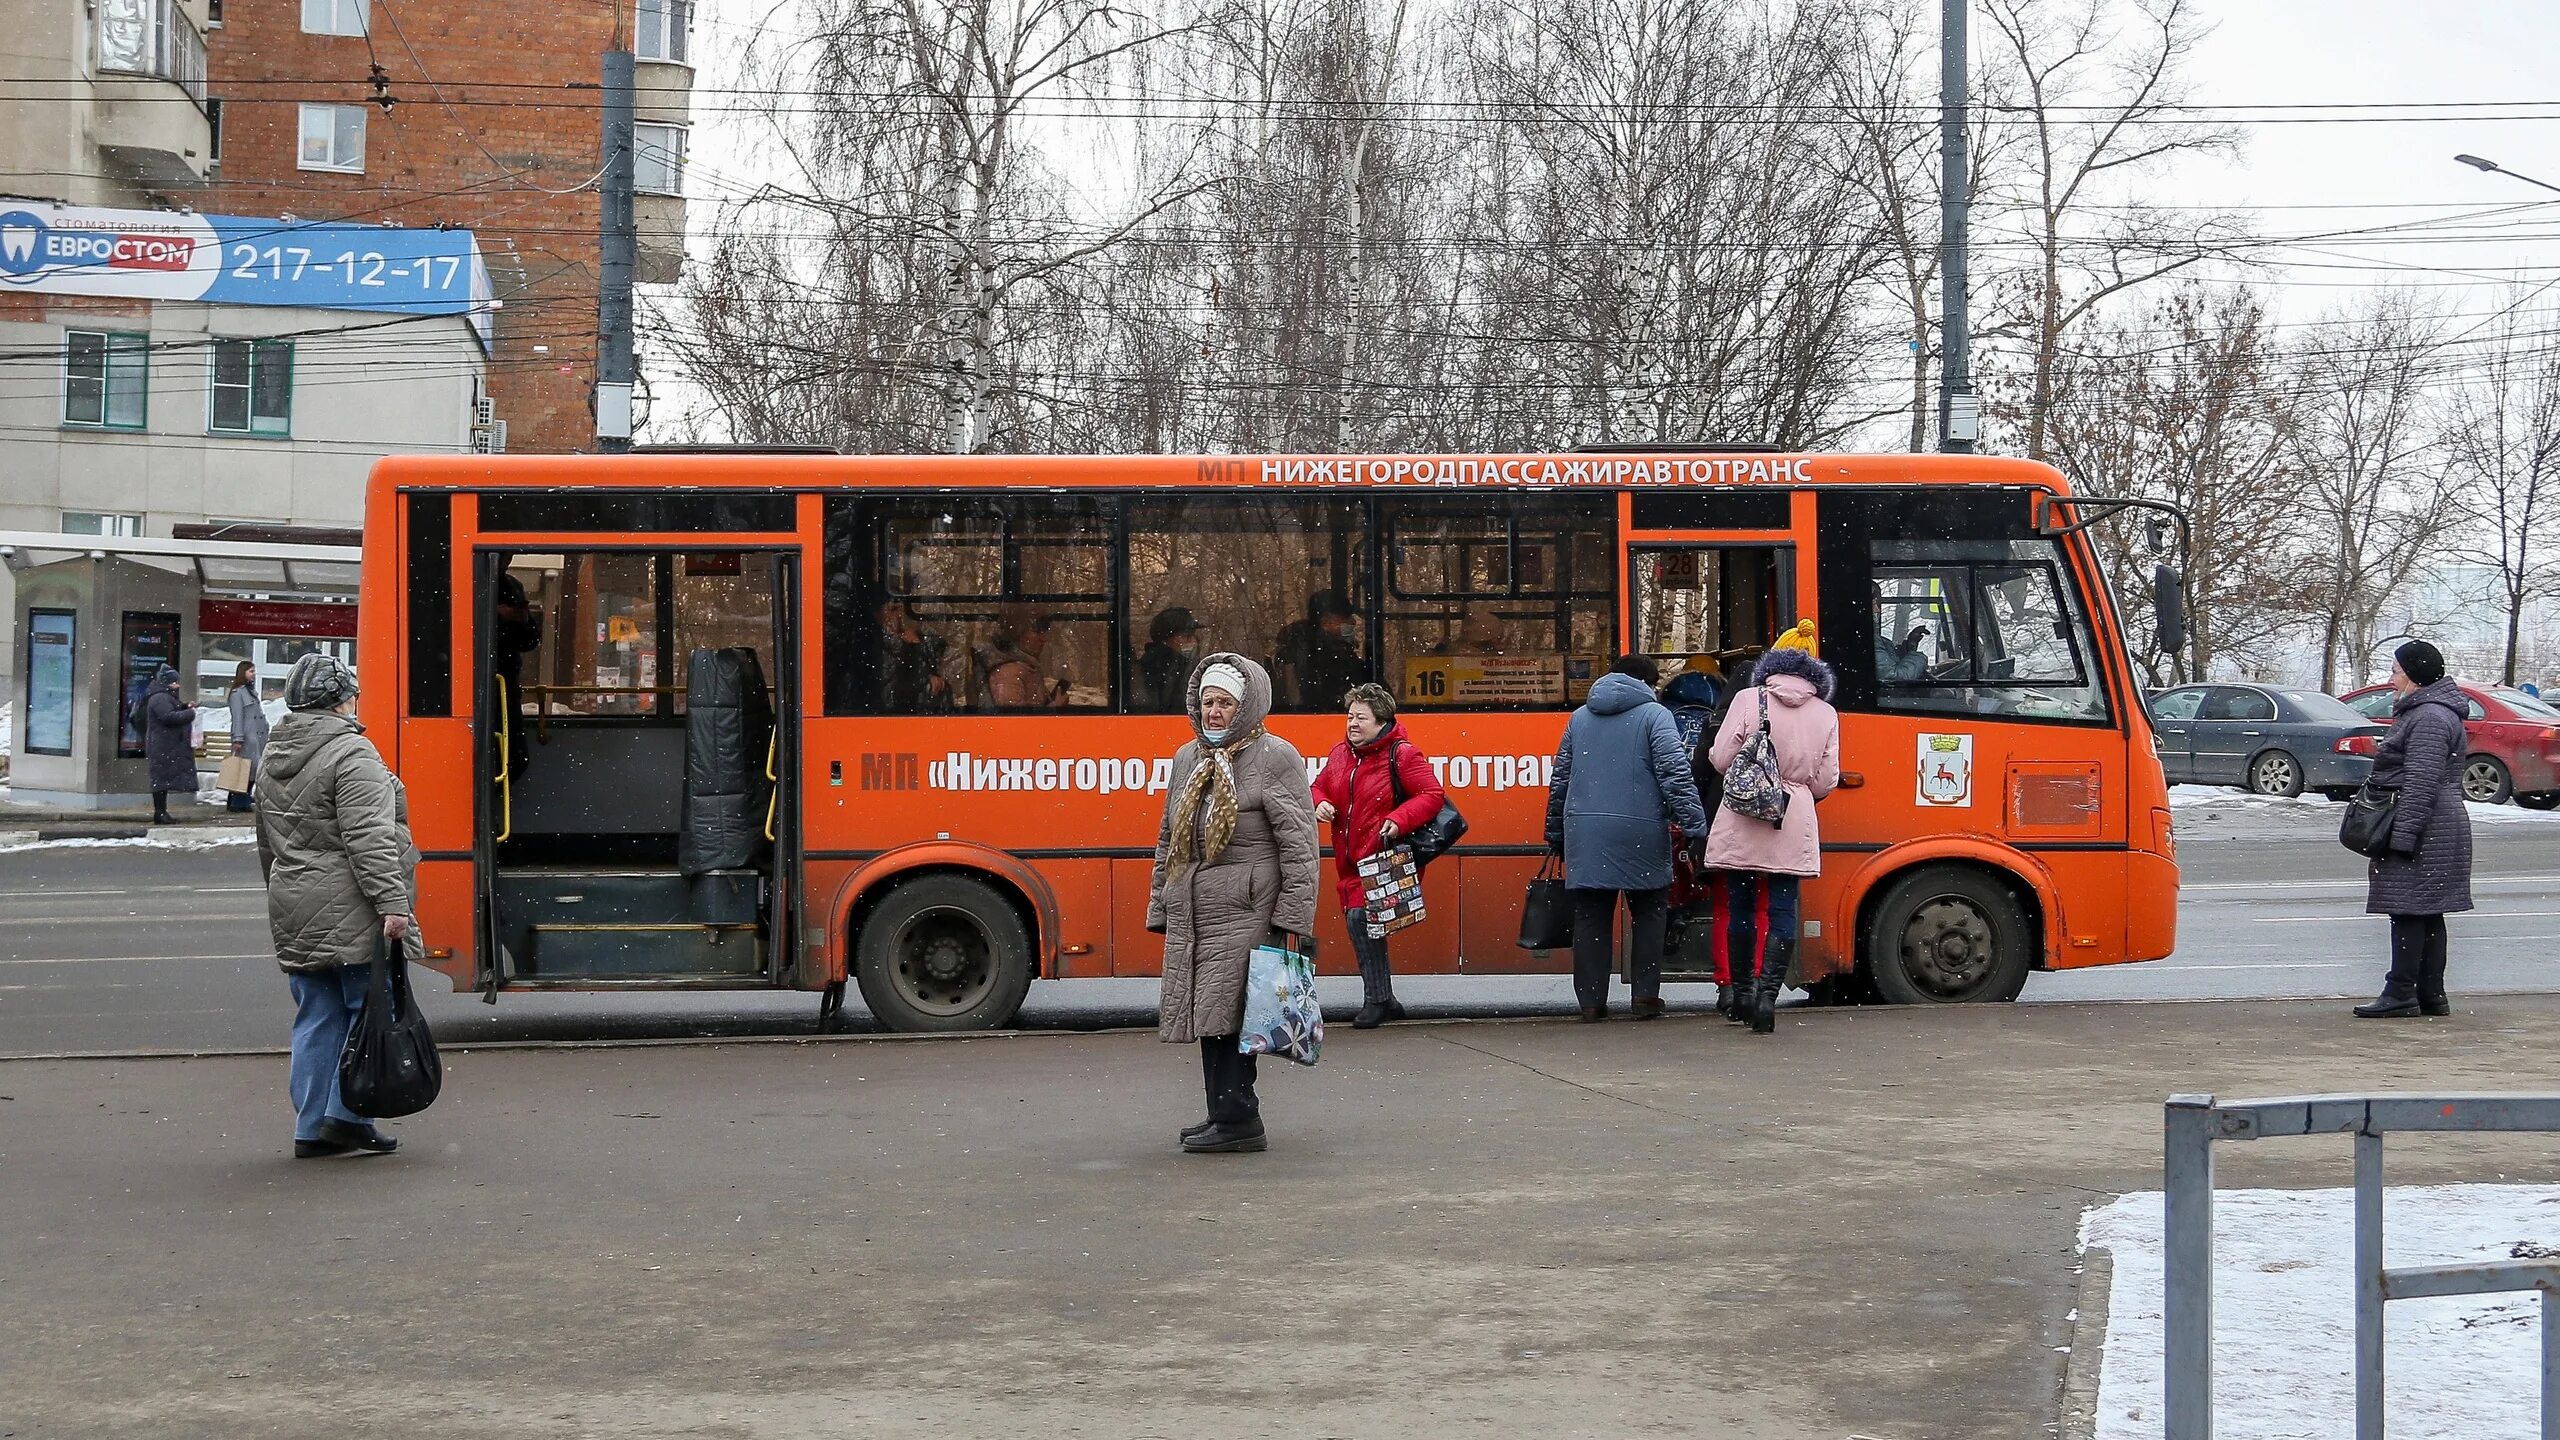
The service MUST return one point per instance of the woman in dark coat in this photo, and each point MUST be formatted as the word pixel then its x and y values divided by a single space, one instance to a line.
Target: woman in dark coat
pixel 1621 782
pixel 168 741
pixel 2426 875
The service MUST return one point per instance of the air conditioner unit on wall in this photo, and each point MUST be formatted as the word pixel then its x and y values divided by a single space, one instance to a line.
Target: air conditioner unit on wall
pixel 489 438
pixel 484 411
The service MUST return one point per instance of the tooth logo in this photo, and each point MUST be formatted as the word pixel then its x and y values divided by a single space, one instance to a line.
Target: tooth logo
pixel 21 236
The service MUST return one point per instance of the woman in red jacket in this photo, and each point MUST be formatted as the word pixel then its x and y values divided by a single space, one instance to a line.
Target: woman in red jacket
pixel 1375 786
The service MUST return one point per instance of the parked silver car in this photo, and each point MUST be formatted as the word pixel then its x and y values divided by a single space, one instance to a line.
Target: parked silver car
pixel 2263 738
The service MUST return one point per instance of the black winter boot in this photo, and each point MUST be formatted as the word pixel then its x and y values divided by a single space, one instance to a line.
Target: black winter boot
pixel 1771 979
pixel 2399 997
pixel 1378 1003
pixel 2431 996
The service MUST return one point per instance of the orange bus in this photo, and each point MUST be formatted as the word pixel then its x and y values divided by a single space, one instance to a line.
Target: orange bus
pixel 756 720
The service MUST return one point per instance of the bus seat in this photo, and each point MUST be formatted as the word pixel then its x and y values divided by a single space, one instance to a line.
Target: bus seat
pixel 728 723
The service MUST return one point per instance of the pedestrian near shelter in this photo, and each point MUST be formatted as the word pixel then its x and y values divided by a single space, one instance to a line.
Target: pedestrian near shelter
pixel 96 618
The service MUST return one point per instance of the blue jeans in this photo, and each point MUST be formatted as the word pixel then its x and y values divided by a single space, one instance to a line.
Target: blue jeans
pixel 325 1006
pixel 1765 908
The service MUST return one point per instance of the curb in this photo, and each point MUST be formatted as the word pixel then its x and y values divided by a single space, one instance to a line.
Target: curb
pixel 2080 1370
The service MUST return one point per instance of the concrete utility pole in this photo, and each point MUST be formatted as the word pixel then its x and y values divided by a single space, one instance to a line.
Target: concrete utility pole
pixel 1959 413
pixel 619 243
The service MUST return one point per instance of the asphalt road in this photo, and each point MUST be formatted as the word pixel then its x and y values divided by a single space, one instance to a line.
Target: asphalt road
pixel 121 948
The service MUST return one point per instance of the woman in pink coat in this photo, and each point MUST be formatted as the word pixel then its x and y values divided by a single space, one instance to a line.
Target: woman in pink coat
pixel 1791 692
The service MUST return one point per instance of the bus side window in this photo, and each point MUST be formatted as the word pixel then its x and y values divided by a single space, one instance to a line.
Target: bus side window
pixel 1504 604
pixel 1281 580
pixel 994 605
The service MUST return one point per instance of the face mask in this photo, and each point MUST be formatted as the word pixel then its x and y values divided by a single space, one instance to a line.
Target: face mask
pixel 1186 647
pixel 1214 737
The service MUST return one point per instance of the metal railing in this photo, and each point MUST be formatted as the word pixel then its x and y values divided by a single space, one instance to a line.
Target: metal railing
pixel 2194 1122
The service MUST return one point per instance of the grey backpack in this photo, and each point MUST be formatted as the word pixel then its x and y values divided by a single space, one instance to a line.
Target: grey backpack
pixel 1753 788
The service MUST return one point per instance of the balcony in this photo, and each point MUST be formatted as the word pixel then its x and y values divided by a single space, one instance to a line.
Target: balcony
pixel 144 49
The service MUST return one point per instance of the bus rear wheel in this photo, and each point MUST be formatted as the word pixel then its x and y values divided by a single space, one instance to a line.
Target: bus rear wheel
pixel 943 952
pixel 1949 935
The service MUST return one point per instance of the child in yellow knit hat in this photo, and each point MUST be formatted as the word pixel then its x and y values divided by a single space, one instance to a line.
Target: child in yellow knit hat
pixel 1798 638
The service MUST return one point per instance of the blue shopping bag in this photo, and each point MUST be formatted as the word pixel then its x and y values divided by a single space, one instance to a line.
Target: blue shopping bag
pixel 1281 1016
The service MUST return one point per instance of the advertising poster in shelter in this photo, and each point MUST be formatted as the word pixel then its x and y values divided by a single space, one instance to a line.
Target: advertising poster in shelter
pixel 150 641
pixel 51 641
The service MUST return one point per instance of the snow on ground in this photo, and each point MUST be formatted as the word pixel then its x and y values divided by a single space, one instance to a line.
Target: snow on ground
pixel 2458 1368
pixel 205 837
pixel 2229 801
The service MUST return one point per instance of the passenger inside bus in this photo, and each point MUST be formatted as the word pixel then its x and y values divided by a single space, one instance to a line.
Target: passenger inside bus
pixel 1163 673
pixel 1011 669
pixel 1316 663
pixel 911 678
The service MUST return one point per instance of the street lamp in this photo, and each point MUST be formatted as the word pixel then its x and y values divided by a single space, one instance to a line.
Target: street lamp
pixel 2492 167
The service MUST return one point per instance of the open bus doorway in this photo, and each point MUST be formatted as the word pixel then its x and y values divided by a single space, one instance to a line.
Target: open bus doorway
pixel 635 764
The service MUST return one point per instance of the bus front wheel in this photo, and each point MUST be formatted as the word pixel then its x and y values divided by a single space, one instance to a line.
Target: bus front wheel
pixel 943 952
pixel 1949 935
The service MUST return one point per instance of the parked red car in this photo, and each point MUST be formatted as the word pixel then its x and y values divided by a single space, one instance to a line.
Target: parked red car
pixel 2515 743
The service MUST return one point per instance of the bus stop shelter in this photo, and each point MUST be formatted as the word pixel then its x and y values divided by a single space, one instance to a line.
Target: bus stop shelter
pixel 95 617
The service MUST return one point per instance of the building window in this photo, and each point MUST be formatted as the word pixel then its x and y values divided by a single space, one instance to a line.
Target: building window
pixel 657 159
pixel 213 132
pixel 333 138
pixel 333 17
pixel 151 37
pixel 100 522
pixel 104 375
pixel 252 387
pixel 660 33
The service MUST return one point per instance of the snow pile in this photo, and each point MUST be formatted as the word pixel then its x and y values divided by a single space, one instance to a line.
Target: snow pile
pixel 206 837
pixel 2460 1368
pixel 2185 796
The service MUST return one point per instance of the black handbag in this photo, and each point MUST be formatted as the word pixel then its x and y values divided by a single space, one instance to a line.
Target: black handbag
pixel 389 1067
pixel 2366 827
pixel 1546 918
pixel 1434 835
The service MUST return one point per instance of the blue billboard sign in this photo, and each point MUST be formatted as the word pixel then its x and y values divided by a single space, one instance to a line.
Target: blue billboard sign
pixel 239 260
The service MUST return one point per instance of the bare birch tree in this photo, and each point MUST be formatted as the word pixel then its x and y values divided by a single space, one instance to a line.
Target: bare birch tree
pixel 2187 405
pixel 2378 494
pixel 2098 86
pixel 2503 442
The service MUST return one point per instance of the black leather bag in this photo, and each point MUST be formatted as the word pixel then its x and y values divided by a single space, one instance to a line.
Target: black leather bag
pixel 2366 827
pixel 389 1067
pixel 1436 834
pixel 1546 918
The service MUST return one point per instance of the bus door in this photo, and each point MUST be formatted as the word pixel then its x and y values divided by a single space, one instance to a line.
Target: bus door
pixel 637 755
pixel 1705 606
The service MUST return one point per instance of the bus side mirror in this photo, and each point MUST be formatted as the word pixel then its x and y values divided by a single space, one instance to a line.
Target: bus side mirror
pixel 2169 609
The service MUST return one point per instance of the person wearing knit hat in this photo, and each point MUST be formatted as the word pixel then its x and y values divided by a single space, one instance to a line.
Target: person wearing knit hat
pixel 1799 636
pixel 2424 873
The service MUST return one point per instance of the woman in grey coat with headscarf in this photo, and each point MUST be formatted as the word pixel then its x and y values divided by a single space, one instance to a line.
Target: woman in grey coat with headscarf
pixel 1622 779
pixel 342 883
pixel 168 741
pixel 1236 866
pixel 2426 875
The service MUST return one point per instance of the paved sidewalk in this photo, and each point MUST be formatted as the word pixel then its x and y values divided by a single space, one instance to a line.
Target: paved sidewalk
pixel 1862 1227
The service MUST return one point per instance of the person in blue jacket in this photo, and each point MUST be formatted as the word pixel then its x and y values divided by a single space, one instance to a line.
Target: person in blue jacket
pixel 1621 782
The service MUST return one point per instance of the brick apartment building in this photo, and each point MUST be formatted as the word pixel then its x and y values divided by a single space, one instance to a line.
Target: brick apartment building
pixel 494 126
pixel 223 396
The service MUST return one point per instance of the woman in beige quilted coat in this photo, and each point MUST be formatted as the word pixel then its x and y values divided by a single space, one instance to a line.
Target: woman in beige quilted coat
pixel 1236 863
pixel 333 843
